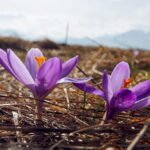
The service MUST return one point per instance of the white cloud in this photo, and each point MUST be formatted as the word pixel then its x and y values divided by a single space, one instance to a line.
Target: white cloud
pixel 86 17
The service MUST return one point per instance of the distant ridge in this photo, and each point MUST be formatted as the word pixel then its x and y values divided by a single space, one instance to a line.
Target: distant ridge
pixel 131 39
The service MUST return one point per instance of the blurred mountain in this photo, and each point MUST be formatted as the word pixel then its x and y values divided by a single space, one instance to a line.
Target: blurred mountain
pixel 8 33
pixel 131 39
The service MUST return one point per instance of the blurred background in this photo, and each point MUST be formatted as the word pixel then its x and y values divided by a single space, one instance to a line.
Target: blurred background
pixel 114 23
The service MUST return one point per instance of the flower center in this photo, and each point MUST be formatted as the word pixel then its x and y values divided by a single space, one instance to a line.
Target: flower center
pixel 40 60
pixel 126 83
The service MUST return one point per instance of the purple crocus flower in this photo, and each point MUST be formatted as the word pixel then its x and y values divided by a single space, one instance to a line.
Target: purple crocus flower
pixel 39 75
pixel 116 94
pixel 136 53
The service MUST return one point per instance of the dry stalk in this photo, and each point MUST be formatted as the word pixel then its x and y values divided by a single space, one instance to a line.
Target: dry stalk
pixel 67 98
pixel 16 123
pixel 139 136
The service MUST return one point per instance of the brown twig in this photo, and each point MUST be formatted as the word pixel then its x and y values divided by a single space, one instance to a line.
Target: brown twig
pixel 67 98
pixel 139 136
pixel 103 119
pixel 83 130
pixel 46 130
pixel 88 76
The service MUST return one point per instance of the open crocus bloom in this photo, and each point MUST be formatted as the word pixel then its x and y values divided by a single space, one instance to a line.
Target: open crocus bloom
pixel 39 75
pixel 116 94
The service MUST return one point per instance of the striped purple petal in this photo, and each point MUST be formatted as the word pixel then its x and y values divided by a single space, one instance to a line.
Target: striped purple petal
pixel 68 66
pixel 47 76
pixel 5 63
pixel 19 69
pixel 73 80
pixel 142 89
pixel 145 102
pixel 120 73
pixel 30 61
pixel 89 89
pixel 107 87
pixel 121 101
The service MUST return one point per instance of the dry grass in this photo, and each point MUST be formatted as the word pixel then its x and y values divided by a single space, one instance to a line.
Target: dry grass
pixel 71 118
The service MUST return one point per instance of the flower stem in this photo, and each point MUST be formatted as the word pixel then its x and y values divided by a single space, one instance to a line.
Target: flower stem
pixel 38 111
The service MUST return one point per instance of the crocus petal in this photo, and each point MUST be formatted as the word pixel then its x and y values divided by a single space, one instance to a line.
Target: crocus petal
pixel 30 61
pixel 145 102
pixel 107 87
pixel 72 80
pixel 142 89
pixel 5 63
pixel 89 89
pixel 47 76
pixel 19 69
pixel 120 73
pixel 121 101
pixel 68 66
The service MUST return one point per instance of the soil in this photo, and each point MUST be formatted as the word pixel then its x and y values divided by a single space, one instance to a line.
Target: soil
pixel 71 118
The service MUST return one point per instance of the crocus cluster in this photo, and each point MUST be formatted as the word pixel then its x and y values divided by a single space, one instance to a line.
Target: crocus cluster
pixel 41 76
pixel 118 97
pixel 38 74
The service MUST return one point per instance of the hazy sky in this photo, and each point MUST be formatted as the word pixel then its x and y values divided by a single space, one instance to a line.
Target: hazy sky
pixel 41 18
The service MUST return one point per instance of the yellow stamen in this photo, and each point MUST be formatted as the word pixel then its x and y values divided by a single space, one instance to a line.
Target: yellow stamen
pixel 126 83
pixel 40 60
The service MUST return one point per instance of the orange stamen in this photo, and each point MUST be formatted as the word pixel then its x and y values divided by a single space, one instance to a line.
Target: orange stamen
pixel 40 60
pixel 126 83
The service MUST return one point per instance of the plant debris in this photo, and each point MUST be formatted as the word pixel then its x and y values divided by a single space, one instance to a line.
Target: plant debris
pixel 71 118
